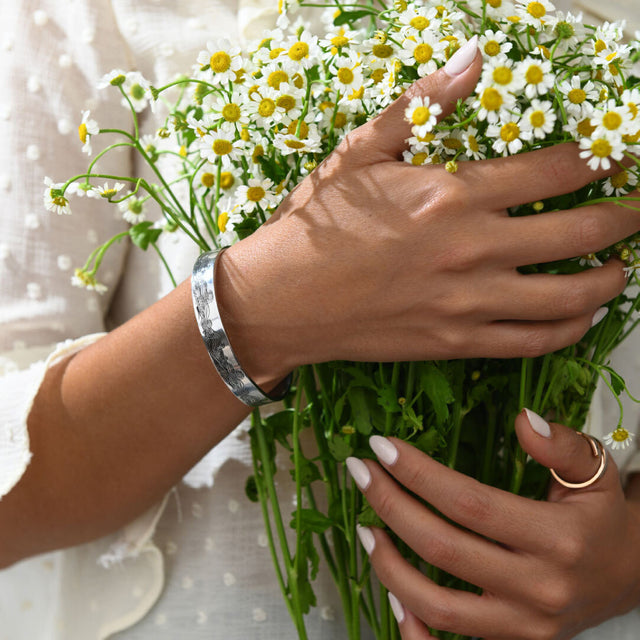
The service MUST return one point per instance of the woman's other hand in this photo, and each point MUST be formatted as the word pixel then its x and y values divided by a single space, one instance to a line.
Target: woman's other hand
pixel 372 259
pixel 547 570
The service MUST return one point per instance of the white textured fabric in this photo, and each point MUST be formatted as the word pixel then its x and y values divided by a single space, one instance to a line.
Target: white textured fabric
pixel 195 567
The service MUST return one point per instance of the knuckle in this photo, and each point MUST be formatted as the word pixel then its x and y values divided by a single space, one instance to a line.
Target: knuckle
pixel 572 549
pixel 385 506
pixel 441 615
pixel 536 342
pixel 443 553
pixel 473 506
pixel 576 300
pixel 590 231
pixel 556 597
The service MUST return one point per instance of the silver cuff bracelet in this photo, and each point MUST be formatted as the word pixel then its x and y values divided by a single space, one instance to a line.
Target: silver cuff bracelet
pixel 216 340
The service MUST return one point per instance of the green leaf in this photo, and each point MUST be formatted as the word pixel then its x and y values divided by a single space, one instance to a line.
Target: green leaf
pixel 340 448
pixel 429 441
pixel 308 471
pixel 617 382
pixel 280 426
pixel 251 489
pixel 143 234
pixel 360 377
pixel 311 520
pixel 245 228
pixel 388 399
pixel 435 384
pixel 369 518
pixel 347 17
pixel 360 409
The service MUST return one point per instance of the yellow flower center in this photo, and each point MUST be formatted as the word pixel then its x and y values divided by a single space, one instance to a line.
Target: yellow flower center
pixel 294 144
pixel 502 75
pixel 231 112
pixel 537 118
pixel 419 23
pixel 274 53
pixel 619 180
pixel 255 194
pixel 266 107
pixel 452 143
pixel 534 75
pixel 536 9
pixel 377 75
pixel 612 120
pixel 345 75
pixel 207 180
pixel 420 115
pixel 585 128
pixel 340 120
pixel 223 218
pixel 226 180
pixel 339 41
pixel 276 78
pixel 82 133
pixel 382 50
pixel 222 147
pixel 60 201
pixel 577 96
pixel 496 4
pixel 298 81
pixel 258 152
pixel 510 132
pixel 601 148
pixel 492 48
pixel 298 51
pixel 220 62
pixel 620 434
pixel 293 127
pixel 633 108
pixel 473 144
pixel 423 53
pixel 419 159
pixel 491 99
pixel 286 102
pixel 245 135
pixel 599 46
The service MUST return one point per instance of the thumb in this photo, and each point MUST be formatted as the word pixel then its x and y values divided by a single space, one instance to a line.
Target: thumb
pixel 564 450
pixel 445 86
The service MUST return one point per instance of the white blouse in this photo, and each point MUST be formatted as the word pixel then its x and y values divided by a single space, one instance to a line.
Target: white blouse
pixel 197 566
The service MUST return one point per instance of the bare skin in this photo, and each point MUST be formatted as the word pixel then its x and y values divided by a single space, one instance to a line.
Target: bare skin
pixel 368 259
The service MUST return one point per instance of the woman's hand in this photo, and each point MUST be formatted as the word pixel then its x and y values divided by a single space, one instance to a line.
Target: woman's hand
pixel 547 570
pixel 373 259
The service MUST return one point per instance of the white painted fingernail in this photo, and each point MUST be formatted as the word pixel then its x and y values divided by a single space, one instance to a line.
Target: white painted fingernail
pixel 384 449
pixel 359 473
pixel 599 315
pixel 538 424
pixel 366 538
pixel 397 608
pixel 460 61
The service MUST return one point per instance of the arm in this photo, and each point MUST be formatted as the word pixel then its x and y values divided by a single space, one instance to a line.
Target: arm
pixel 118 424
pixel 559 567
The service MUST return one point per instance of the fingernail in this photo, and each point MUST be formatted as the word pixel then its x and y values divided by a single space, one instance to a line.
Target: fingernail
pixel 538 424
pixel 599 315
pixel 366 538
pixel 397 608
pixel 359 473
pixel 460 61
pixel 384 449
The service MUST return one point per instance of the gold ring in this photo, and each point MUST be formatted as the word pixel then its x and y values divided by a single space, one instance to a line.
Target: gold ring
pixel 598 452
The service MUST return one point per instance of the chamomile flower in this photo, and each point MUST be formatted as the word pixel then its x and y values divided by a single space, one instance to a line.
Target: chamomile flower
pixel 137 91
pixel 87 280
pixel 264 108
pixel 500 74
pixel 537 76
pixel 231 108
pixel 105 191
pixel 611 119
pixel 301 51
pixel 133 210
pixel 497 10
pixel 539 118
pixel 534 12
pixel 338 39
pixel 422 115
pixel 619 438
pixel 509 136
pixel 220 61
pixel 598 150
pixel 473 148
pixel 53 198
pixel 579 96
pixel 423 50
pixel 220 146
pixel 347 73
pixel 491 102
pixel 307 141
pixel 87 128
pixel 257 193
pixel 620 183
pixel 494 43
pixel 415 19
pixel 590 260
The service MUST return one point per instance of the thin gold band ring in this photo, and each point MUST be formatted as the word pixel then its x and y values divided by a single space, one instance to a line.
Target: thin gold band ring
pixel 598 451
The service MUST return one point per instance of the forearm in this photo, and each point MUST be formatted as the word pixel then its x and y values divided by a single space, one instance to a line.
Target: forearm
pixel 114 427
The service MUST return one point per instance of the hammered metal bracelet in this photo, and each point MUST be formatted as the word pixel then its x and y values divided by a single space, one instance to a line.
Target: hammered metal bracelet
pixel 216 339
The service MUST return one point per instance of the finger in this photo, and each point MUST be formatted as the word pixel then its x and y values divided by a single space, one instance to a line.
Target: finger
pixel 560 235
pixel 411 628
pixel 490 512
pixel 437 607
pixel 521 339
pixel 388 132
pixel 528 177
pixel 555 296
pixel 460 553
pixel 564 450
